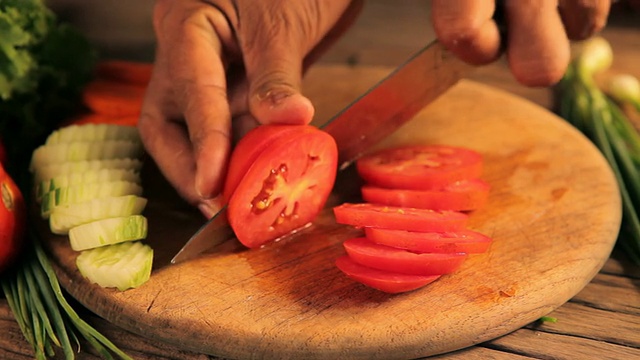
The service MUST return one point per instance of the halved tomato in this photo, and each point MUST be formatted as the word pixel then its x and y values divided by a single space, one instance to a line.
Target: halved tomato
pixel 285 188
pixel 250 147
pixel 464 195
pixel 419 167
pixel 464 241
pixel 387 281
pixel 399 218
pixel 387 258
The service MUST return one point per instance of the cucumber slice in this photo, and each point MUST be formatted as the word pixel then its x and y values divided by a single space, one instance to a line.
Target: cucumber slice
pixel 108 232
pixel 93 132
pixel 80 151
pixel 65 217
pixel 83 192
pixel 123 266
pixel 51 171
pixel 87 177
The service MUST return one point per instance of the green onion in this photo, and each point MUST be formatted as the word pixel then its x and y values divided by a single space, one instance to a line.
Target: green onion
pixel 597 114
pixel 46 319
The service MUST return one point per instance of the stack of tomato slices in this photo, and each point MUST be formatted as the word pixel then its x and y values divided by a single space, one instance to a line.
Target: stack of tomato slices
pixel 417 200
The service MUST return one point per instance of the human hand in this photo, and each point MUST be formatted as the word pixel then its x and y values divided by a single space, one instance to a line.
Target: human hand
pixel 537 44
pixel 223 64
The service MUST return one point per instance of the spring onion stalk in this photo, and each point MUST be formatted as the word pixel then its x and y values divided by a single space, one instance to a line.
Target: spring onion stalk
pixel 597 114
pixel 44 316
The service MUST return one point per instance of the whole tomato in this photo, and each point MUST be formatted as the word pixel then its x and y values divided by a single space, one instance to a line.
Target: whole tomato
pixel 13 217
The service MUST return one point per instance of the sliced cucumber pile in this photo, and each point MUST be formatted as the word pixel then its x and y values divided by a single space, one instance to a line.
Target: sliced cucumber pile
pixel 87 181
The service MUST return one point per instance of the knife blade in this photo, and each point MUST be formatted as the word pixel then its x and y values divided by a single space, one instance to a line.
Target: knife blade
pixel 371 117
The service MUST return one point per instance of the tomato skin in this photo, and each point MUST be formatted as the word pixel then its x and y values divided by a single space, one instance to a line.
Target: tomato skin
pixel 387 258
pixel 398 218
pixel 250 147
pixel 13 216
pixel 421 167
pixel 285 188
pixel 462 241
pixel 389 282
pixel 465 195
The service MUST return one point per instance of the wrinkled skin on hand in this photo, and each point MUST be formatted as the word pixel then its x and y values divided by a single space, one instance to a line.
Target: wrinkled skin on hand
pixel 224 62
pixel 537 44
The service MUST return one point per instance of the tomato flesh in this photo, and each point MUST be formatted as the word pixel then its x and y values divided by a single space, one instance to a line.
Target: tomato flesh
pixel 462 241
pixel 390 217
pixel 250 147
pixel 465 195
pixel 389 282
pixel 285 188
pixel 387 258
pixel 419 167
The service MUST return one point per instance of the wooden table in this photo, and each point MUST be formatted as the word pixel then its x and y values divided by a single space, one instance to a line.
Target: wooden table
pixel 600 322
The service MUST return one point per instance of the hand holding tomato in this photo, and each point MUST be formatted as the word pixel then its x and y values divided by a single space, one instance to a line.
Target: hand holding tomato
pixel 537 46
pixel 223 62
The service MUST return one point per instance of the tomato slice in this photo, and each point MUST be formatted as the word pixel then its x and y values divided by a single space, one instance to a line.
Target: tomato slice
pixel 113 98
pixel 399 218
pixel 389 282
pixel 419 167
pixel 285 188
pixel 465 195
pixel 250 147
pixel 461 241
pixel 387 258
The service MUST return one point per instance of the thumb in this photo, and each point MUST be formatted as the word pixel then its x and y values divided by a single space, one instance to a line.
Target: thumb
pixel 274 72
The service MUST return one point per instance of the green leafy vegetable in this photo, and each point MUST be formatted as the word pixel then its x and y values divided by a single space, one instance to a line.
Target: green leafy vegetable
pixel 44 65
pixel 600 118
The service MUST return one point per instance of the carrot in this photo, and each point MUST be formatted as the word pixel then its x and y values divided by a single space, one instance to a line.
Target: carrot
pixel 95 118
pixel 113 98
pixel 129 72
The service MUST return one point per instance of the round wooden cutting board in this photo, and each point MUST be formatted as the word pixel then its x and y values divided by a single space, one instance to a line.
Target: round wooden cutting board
pixel 553 212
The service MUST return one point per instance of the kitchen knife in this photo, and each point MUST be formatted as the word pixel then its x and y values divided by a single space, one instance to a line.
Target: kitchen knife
pixel 369 119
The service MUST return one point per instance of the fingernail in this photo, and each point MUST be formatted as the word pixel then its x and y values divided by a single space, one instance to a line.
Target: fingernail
pixel 274 97
pixel 206 210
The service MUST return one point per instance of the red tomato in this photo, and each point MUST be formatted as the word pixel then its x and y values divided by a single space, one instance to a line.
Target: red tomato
pixel 386 281
pixel 419 167
pixel 389 217
pixel 249 148
pixel 285 188
pixel 387 258
pixel 462 241
pixel 462 195
pixel 13 215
